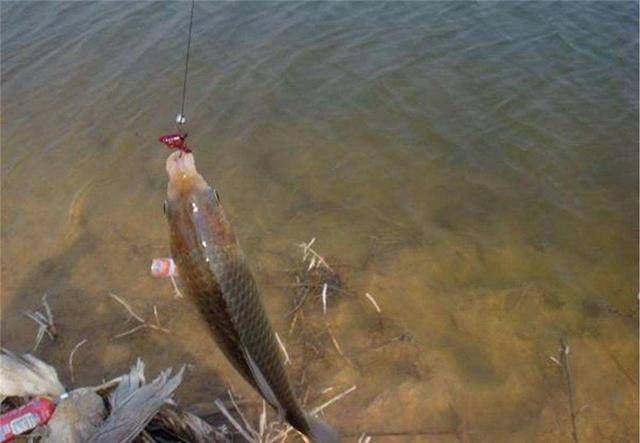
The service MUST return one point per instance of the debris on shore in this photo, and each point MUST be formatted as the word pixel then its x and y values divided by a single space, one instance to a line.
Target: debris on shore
pixel 35 406
pixel 125 409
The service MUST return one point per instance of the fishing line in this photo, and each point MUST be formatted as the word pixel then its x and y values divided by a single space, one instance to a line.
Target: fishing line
pixel 181 119
pixel 179 140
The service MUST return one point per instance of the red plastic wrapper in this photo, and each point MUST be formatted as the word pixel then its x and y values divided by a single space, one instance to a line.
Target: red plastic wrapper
pixel 25 418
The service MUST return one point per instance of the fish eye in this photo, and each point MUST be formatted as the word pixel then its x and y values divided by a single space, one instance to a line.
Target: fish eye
pixel 164 207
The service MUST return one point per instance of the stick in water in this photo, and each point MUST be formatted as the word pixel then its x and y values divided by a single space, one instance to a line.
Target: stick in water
pixel 324 299
pixel 127 307
pixel 373 302
pixel 73 351
pixel 232 420
pixel 287 360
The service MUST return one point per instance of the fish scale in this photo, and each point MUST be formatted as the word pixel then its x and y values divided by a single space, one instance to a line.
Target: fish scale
pixel 208 296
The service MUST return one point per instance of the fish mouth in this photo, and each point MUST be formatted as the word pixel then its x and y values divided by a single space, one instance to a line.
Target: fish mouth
pixel 183 176
pixel 181 165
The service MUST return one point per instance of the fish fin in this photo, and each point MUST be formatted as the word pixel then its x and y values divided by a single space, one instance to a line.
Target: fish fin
pixel 321 432
pixel 263 384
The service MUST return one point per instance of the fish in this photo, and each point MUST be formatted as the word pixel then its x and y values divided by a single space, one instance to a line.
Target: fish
pixel 217 278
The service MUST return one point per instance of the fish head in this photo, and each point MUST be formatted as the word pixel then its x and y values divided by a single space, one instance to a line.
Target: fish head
pixel 192 203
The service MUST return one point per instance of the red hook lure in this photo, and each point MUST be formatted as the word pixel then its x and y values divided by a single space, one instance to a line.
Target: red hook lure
pixel 177 141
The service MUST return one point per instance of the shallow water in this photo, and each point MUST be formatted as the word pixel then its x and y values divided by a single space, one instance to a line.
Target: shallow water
pixel 473 166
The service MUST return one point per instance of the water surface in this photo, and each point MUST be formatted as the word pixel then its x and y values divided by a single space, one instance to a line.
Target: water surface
pixel 473 166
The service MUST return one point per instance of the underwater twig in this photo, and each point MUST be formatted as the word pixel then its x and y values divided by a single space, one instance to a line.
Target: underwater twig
pixel 47 309
pixel 316 259
pixel 130 331
pixel 73 351
pixel 268 432
pixel 42 327
pixel 373 302
pixel 332 400
pixel 318 409
pixel 143 323
pixel 563 361
pixel 157 326
pixel 244 419
pixel 324 299
pixel 232 420
pixel 293 322
pixel 107 385
pixel 310 285
pixel 301 301
pixel 155 313
pixel 44 321
pixel 127 307
pixel 262 424
pixel 335 342
pixel 621 368
pixel 287 360
pixel 177 292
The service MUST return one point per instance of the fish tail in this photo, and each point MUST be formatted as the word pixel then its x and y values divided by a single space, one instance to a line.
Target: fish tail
pixel 321 432
pixel 314 428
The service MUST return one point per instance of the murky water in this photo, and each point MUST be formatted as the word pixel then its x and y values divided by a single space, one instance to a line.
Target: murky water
pixel 473 166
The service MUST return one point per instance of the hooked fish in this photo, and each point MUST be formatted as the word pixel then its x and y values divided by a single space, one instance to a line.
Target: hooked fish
pixel 215 273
